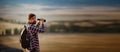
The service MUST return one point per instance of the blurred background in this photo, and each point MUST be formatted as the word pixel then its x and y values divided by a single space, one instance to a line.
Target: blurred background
pixel 72 25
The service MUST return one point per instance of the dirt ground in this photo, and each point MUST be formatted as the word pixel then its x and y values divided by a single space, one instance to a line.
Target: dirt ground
pixel 67 42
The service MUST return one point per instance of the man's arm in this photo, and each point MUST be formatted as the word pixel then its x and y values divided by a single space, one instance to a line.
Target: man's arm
pixel 39 29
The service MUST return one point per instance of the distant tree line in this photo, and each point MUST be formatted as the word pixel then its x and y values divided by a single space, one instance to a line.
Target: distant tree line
pixel 113 27
pixel 14 31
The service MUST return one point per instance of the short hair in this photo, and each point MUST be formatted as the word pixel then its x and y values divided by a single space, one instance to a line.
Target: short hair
pixel 30 16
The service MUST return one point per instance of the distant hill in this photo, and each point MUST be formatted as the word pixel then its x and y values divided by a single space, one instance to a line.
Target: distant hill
pixel 81 26
pixel 6 25
pixel 12 21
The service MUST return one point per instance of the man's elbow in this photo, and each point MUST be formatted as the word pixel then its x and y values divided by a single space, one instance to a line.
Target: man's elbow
pixel 42 31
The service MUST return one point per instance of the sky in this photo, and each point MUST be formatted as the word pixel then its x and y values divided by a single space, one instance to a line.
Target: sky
pixel 57 9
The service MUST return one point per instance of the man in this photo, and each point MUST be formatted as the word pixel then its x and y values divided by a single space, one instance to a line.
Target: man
pixel 33 29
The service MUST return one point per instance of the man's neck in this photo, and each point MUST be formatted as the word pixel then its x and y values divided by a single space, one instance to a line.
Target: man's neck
pixel 32 22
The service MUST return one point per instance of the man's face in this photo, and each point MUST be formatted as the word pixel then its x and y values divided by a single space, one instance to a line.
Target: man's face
pixel 33 19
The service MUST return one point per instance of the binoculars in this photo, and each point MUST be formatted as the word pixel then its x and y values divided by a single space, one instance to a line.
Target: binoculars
pixel 38 21
pixel 41 19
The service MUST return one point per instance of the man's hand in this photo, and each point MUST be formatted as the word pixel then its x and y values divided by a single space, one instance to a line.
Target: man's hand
pixel 40 22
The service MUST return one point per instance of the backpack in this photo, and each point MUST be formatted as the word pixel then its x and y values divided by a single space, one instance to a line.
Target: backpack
pixel 24 39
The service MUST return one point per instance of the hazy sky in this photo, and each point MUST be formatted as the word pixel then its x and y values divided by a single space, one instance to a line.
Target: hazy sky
pixel 56 9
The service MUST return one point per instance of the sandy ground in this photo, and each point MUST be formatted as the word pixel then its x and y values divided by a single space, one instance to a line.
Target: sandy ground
pixel 83 42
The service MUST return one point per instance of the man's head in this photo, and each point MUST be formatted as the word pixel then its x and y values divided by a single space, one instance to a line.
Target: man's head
pixel 32 18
